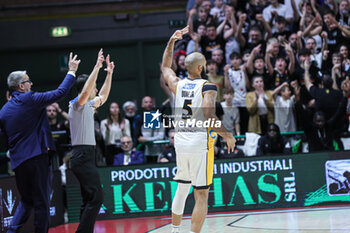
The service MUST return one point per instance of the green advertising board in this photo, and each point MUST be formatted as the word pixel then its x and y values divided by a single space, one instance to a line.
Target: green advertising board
pixel 254 183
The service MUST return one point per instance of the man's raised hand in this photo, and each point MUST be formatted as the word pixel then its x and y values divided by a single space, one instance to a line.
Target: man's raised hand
pixel 73 63
pixel 179 33
pixel 110 65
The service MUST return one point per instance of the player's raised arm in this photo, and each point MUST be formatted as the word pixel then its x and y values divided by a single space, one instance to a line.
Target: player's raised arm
pixel 209 94
pixel 168 74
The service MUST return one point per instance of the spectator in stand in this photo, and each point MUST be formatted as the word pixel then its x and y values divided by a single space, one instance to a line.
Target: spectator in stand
pixel 338 70
pixel 130 109
pixel 274 9
pixel 128 156
pixel 254 8
pixel 284 108
pixel 112 130
pixel 344 51
pixel 51 112
pixel 311 46
pixel 237 79
pixel 273 143
pixel 218 56
pixel 193 4
pixel 295 42
pixel 228 27
pixel 255 35
pixel 318 131
pixel 280 74
pixel 275 51
pixel 180 64
pixel 203 17
pixel 281 33
pixel 326 98
pixel 63 136
pixel 260 107
pixel 346 105
pixel 256 66
pixel 143 135
pixel 336 32
pixel 221 152
pixel 193 44
pixel 305 97
pixel 211 41
pixel 231 117
pixel 218 11
pixel 307 26
pixel 343 15
pixel 213 77
pixel 327 101
pixel 168 154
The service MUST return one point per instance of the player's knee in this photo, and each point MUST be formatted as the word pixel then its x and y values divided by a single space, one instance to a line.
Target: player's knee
pixel 183 188
pixel 201 195
pixel 179 201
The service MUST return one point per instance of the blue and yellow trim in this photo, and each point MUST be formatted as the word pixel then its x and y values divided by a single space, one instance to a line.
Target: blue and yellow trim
pixel 210 155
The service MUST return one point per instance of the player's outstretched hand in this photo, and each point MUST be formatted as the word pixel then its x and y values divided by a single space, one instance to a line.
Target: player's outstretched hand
pixel 231 143
pixel 179 33
pixel 73 63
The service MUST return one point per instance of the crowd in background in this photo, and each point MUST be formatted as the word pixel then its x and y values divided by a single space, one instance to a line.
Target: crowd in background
pixel 279 67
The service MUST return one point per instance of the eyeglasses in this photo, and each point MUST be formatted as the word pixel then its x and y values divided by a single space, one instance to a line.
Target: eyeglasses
pixel 128 142
pixel 26 81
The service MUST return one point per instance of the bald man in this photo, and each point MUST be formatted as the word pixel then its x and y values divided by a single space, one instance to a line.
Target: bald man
pixel 194 143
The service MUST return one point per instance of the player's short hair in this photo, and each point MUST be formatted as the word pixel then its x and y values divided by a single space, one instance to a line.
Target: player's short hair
pixel 81 80
pixel 193 59
pixel 15 78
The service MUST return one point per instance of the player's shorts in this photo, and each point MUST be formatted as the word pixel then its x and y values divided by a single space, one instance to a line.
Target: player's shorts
pixel 195 168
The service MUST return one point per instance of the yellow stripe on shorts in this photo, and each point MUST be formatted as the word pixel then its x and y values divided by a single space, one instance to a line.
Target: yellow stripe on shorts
pixel 210 155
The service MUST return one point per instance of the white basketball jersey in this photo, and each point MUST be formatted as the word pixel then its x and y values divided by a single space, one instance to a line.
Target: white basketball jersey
pixel 188 108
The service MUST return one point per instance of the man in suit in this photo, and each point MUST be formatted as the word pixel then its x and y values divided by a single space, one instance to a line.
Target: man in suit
pixel 24 123
pixel 128 156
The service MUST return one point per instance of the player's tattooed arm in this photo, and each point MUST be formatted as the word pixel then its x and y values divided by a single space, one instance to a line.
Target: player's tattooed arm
pixel 168 74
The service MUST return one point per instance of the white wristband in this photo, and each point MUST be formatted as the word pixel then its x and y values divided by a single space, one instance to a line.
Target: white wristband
pixel 71 73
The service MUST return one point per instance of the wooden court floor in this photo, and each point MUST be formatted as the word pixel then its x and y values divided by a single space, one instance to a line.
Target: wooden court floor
pixel 316 220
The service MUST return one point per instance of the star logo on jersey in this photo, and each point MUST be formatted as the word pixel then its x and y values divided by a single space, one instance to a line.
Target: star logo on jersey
pixel 151 120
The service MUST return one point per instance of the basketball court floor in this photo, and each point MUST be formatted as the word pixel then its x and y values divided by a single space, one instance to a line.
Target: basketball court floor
pixel 311 220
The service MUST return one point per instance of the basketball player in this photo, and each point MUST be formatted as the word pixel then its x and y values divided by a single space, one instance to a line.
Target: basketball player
pixel 194 100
